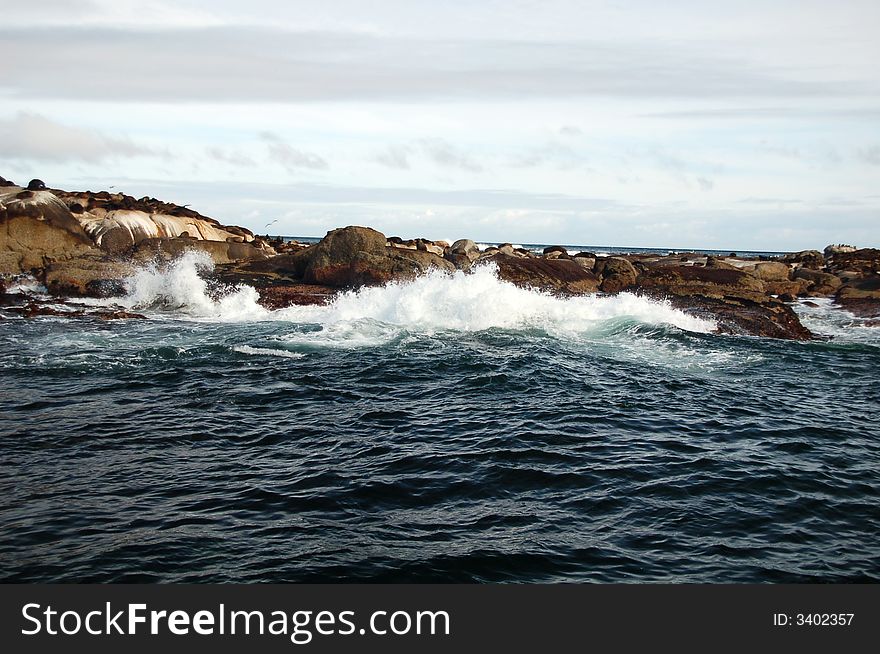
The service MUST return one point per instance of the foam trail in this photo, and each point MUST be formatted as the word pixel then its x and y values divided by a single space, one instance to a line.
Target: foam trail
pixel 266 351
pixel 179 286
pixel 828 319
pixel 478 301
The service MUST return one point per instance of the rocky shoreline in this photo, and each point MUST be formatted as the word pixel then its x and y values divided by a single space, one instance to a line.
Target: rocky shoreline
pixel 85 244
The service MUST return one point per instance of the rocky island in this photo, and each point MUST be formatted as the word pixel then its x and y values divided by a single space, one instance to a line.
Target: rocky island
pixel 86 244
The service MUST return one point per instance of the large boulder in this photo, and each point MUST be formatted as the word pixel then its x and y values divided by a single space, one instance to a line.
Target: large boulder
pixel 550 275
pixel 865 261
pixel 116 231
pixel 812 259
pixel 37 227
pixel 820 283
pixel 765 317
pixel 463 253
pixel 772 271
pixel 219 251
pixel 698 280
pixel 358 256
pixel 866 288
pixel 346 257
pixel 617 274
pixel 831 250
pixel 92 275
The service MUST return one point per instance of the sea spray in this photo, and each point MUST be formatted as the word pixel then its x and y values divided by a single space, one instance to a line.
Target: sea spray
pixel 180 286
pixel 478 301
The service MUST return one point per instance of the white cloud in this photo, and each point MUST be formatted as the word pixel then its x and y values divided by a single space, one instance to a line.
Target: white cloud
pixel 33 136
pixel 289 157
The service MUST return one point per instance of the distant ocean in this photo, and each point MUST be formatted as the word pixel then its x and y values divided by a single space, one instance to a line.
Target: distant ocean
pixel 602 250
pixel 453 428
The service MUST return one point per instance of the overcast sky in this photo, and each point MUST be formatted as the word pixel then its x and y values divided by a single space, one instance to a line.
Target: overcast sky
pixel 740 125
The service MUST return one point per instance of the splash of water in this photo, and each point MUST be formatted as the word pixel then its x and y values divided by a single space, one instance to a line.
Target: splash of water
pixel 180 287
pixel 479 301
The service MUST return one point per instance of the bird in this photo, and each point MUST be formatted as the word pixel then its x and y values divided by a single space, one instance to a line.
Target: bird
pixel 272 223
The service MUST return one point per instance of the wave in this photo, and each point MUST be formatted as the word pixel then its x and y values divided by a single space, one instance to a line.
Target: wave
pixel 479 301
pixel 181 288
pixel 266 351
pixel 435 302
pixel 825 318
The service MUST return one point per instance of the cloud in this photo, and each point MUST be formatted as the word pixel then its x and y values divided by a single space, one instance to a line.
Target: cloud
pixel 570 130
pixel 289 157
pixel 870 155
pixel 562 157
pixel 436 150
pixel 443 153
pixel 254 64
pixel 35 137
pixel 395 156
pixel 232 157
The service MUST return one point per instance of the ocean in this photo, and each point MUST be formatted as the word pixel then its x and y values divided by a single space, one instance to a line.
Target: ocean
pixel 453 428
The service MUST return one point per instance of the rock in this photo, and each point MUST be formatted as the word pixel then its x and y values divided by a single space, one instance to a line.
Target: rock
pixel 555 248
pixel 91 275
pixel 358 256
pixel 821 284
pixel 585 255
pixel 5 182
pixel 463 253
pixel 345 257
pixel 617 274
pixel 117 231
pixel 864 307
pixel 866 288
pixel 768 318
pixel 584 262
pixel 693 280
pixel 36 229
pixel 772 271
pixel 865 261
pixel 36 185
pixel 812 259
pixel 550 275
pixel 794 287
pixel 717 262
pixel 831 250
pixel 219 251
pixel 428 246
pixel 508 249
pixel 36 309
pixel 467 247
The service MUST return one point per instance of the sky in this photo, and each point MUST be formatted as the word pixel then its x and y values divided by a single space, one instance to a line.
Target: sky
pixel 749 125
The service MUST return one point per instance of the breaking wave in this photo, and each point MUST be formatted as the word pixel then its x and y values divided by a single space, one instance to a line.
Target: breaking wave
pixel 434 302
pixel 180 287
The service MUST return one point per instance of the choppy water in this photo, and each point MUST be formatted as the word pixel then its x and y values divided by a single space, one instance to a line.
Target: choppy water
pixel 450 429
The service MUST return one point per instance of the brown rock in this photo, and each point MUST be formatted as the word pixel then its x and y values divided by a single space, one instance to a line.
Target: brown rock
pixel 551 275
pixel 219 251
pixel 709 282
pixel 92 275
pixel 37 229
pixel 812 259
pixel 617 274
pixel 772 271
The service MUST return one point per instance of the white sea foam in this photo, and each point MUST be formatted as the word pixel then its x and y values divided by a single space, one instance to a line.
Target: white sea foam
pixel 434 302
pixel 266 351
pixel 828 319
pixel 180 287
pixel 479 301
pixel 27 285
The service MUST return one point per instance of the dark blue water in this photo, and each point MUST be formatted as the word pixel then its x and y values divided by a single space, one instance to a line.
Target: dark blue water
pixel 397 436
